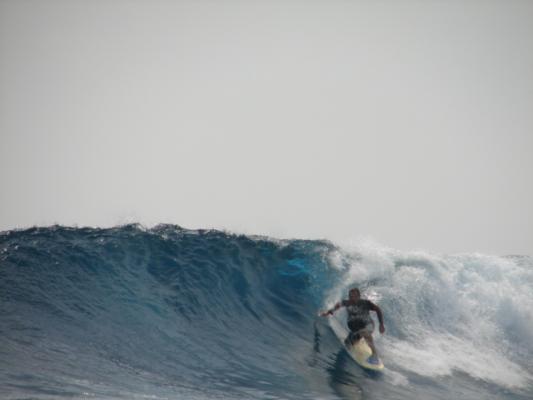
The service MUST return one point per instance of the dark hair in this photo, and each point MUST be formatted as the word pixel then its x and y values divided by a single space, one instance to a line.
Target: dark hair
pixel 355 290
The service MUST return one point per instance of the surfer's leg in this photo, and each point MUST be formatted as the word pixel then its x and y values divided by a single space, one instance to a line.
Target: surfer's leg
pixel 370 341
pixel 348 341
pixel 353 336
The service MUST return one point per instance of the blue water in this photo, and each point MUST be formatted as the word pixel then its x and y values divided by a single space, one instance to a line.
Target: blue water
pixel 171 313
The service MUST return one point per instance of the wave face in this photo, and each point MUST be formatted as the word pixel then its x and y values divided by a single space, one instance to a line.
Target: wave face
pixel 171 313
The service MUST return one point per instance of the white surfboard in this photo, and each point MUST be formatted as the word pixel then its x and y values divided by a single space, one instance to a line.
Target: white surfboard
pixel 359 351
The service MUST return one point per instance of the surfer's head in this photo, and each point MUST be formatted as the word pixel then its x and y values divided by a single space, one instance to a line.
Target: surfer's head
pixel 354 294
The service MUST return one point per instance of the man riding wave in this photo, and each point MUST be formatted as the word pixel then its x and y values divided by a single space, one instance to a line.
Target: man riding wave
pixel 359 321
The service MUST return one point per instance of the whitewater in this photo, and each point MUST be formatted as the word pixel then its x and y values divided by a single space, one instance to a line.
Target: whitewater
pixel 171 313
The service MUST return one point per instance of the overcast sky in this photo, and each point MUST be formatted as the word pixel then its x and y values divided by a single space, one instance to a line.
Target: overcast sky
pixel 410 122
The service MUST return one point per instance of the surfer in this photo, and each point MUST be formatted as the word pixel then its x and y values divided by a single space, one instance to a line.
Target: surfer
pixel 359 320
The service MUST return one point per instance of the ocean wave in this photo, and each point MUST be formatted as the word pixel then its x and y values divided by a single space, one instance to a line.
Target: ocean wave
pixel 167 312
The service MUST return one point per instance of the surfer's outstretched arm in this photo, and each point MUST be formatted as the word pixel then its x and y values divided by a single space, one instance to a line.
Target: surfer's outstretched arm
pixel 331 311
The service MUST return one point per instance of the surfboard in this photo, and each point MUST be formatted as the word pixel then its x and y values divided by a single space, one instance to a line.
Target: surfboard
pixel 360 352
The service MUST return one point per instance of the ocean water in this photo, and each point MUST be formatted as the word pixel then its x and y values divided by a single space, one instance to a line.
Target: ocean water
pixel 171 313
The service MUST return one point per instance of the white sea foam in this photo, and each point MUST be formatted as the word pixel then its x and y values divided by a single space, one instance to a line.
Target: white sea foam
pixel 468 313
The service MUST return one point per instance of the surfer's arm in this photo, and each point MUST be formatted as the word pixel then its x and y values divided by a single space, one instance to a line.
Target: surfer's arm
pixel 331 311
pixel 376 308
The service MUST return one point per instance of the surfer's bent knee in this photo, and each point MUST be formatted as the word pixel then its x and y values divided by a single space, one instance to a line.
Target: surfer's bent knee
pixel 366 335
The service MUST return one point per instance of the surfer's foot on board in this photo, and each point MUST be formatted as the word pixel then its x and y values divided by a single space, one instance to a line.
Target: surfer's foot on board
pixel 373 360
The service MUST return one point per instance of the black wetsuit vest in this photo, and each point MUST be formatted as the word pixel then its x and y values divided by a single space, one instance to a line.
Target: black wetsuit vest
pixel 358 312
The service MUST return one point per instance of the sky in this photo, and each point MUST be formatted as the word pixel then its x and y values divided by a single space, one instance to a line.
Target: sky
pixel 407 122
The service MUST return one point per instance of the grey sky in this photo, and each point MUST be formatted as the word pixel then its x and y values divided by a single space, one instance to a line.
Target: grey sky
pixel 407 121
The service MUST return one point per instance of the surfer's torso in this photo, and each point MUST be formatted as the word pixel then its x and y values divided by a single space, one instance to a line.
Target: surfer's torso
pixel 358 310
